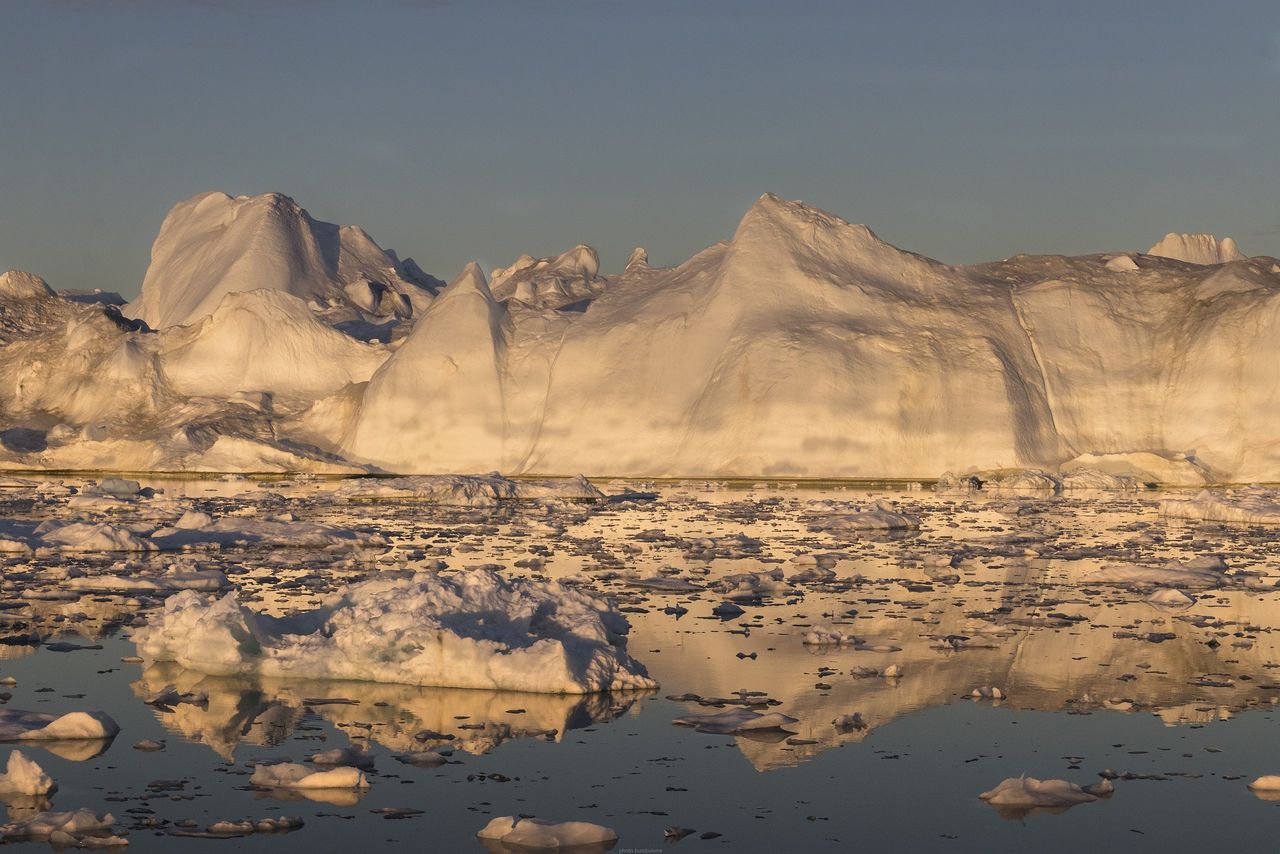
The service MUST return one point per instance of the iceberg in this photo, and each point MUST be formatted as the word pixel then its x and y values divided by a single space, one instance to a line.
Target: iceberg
pixel 802 346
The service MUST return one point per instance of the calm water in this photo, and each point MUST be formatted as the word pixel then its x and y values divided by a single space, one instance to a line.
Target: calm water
pixel 1088 683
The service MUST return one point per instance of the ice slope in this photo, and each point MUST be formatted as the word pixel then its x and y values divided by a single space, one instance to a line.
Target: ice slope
pixel 265 341
pixel 212 245
pixel 770 354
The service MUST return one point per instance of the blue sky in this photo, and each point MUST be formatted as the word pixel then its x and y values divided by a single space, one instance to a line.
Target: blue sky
pixel 454 131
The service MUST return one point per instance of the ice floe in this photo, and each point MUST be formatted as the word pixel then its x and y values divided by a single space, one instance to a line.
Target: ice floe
pixel 474 629
pixel 515 834
pixel 288 775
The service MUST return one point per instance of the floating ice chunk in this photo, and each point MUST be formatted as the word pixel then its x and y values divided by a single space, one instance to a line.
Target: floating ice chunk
pixel 537 834
pixel 24 777
pixel 1266 783
pixel 473 629
pixel 116 487
pixel 882 516
pixel 17 725
pixel 289 775
pixel 226 828
pixel 1027 791
pixel 92 537
pixel 1170 598
pixel 76 825
pixel 736 720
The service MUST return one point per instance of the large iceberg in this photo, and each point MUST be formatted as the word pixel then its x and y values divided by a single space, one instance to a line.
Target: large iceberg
pixel 473 629
pixel 802 346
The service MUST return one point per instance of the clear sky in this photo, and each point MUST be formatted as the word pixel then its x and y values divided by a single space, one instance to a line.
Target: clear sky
pixel 479 130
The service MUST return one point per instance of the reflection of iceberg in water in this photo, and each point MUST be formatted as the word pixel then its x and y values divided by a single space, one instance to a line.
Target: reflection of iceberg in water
pixel 332 797
pixel 266 711
pixel 24 807
pixel 1050 648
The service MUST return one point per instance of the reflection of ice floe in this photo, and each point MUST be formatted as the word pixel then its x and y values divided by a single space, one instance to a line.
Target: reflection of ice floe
pixel 403 718
pixel 475 629
pixel 1196 573
pixel 1253 505
pixel 736 721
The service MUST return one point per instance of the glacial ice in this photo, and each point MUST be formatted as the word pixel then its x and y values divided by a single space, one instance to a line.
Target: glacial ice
pixel 473 629
pixel 802 346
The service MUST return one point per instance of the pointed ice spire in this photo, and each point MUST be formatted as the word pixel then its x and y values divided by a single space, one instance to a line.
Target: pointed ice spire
pixel 638 260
